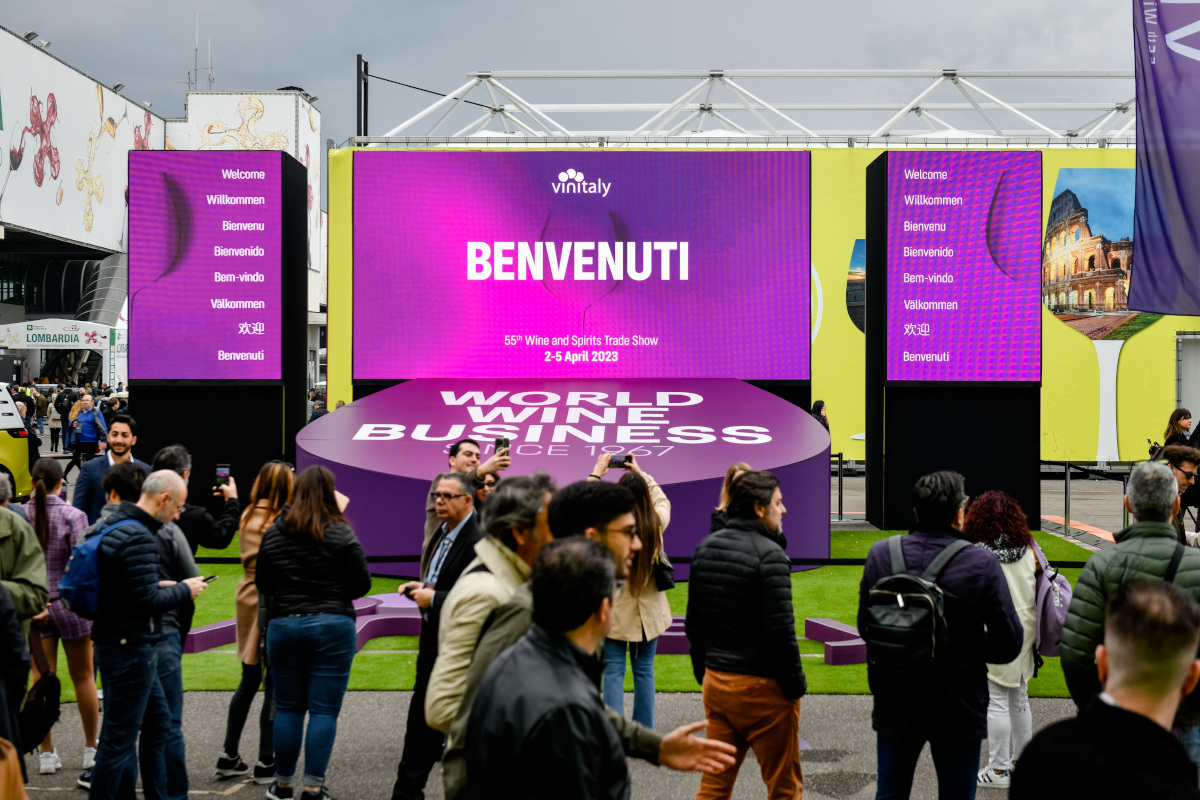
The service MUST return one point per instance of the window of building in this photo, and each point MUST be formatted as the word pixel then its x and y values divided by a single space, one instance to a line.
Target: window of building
pixel 1091 263
pixel 1077 234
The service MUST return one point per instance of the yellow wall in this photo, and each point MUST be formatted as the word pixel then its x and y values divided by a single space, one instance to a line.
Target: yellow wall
pixel 839 201
pixel 339 328
pixel 1070 372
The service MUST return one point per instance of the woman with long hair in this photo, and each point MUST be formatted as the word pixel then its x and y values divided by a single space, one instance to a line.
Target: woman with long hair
pixel 821 414
pixel 59 527
pixel 718 521
pixel 996 522
pixel 1179 428
pixel 311 569
pixel 641 613
pixel 272 491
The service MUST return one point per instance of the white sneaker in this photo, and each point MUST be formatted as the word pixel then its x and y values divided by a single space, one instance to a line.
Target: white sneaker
pixel 988 777
pixel 49 763
pixel 89 757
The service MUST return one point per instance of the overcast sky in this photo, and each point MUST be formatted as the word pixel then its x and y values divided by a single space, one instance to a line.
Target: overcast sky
pixel 262 45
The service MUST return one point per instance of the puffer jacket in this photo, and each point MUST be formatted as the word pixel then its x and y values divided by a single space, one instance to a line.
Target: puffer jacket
pixel 1143 550
pixel 22 567
pixel 300 575
pixel 129 567
pixel 739 614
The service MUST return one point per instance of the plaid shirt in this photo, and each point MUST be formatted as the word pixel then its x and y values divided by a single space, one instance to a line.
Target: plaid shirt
pixel 67 525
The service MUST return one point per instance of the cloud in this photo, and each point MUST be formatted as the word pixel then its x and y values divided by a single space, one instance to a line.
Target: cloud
pixel 262 46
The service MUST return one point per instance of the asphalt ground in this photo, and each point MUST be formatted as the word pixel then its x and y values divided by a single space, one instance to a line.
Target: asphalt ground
pixel 840 763
pixel 838 744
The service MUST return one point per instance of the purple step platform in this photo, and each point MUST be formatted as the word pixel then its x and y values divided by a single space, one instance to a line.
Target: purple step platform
pixel 842 642
pixel 674 641
pixel 853 651
pixel 378 615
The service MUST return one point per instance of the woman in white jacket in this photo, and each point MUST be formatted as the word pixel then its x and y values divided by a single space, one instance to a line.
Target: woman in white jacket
pixel 996 522
pixel 641 612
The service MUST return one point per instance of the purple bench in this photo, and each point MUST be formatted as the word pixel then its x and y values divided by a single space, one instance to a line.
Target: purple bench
pixel 842 643
pixel 379 615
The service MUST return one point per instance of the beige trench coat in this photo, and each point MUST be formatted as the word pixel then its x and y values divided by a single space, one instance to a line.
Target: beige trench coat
pixel 644 610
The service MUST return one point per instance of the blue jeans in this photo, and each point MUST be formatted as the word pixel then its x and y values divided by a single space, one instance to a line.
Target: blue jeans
pixel 641 656
pixel 1189 737
pixel 956 762
pixel 164 767
pixel 311 659
pixel 41 423
pixel 132 693
pixel 68 436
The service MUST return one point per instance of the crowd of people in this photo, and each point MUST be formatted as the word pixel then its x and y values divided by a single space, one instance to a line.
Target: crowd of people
pixel 532 596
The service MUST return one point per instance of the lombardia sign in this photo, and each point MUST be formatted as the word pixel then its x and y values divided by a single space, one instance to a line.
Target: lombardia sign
pixel 56 334
pixel 684 432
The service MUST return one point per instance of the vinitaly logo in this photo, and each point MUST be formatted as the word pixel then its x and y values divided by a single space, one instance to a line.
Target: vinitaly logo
pixel 573 182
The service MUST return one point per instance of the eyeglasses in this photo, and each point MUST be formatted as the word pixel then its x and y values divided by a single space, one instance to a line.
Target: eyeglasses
pixel 630 531
pixel 447 496
pixel 1191 476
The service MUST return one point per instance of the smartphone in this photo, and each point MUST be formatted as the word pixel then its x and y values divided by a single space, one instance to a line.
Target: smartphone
pixel 501 444
pixel 222 474
pixel 211 578
pixel 618 462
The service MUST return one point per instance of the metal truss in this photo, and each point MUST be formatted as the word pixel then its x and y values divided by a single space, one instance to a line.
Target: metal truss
pixel 719 109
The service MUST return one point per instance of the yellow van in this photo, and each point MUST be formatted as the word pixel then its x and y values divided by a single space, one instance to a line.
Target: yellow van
pixel 14 446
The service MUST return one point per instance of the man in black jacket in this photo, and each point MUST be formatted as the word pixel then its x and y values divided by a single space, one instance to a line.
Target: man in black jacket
pixel 945 704
pixel 199 526
pixel 127 629
pixel 1121 745
pixel 743 634
pixel 451 549
pixel 538 727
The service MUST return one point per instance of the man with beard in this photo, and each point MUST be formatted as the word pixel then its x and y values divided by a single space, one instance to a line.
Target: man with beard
pixel 89 494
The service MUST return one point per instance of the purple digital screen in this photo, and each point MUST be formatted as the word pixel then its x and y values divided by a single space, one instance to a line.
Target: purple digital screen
pixel 205 265
pixel 581 264
pixel 964 266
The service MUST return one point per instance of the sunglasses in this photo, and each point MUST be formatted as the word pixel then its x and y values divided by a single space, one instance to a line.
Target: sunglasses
pixel 447 496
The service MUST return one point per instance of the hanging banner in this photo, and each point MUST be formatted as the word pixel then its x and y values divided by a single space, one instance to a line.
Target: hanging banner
pixel 1167 196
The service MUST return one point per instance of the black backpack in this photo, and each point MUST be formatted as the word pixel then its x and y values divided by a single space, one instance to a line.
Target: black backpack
pixel 63 403
pixel 906 622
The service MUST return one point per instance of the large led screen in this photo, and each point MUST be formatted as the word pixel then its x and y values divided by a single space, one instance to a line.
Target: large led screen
pixel 964 266
pixel 205 265
pixel 581 264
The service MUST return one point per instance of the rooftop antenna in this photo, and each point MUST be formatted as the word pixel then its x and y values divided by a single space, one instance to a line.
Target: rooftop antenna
pixel 211 79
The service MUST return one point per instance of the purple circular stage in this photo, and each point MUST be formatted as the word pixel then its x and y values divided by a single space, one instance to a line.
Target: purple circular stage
pixel 386 448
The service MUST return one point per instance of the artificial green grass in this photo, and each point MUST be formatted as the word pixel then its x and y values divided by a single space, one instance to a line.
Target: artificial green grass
pixel 832 593
pixel 390 663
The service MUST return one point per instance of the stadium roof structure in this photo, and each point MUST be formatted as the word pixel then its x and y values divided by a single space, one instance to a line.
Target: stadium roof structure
pixel 807 108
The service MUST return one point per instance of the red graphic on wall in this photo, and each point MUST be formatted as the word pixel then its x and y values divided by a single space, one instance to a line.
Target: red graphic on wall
pixel 142 141
pixel 39 127
pixel 91 337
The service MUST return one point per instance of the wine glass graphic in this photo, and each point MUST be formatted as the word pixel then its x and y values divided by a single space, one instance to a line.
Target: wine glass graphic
pixel 1087 261
pixel 563 227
